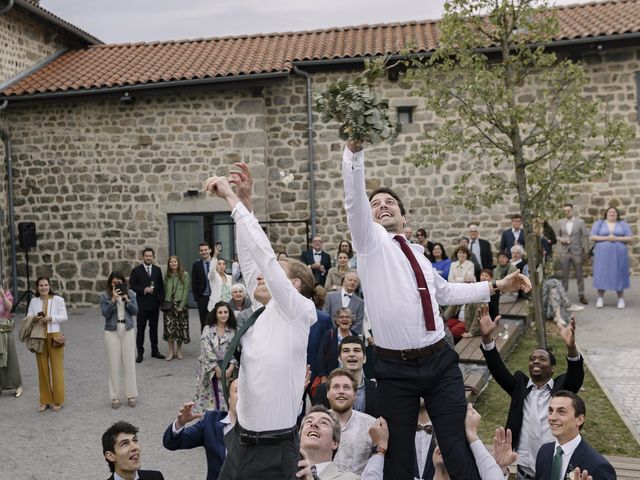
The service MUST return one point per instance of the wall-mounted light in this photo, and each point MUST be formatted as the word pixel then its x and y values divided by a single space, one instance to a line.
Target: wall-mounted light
pixel 191 193
pixel 127 99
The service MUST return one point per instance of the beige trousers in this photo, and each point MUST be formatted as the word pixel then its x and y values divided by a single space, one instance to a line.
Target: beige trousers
pixel 121 355
pixel 51 382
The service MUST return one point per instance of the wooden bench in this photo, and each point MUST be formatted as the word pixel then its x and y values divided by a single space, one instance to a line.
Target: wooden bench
pixel 505 335
pixel 519 309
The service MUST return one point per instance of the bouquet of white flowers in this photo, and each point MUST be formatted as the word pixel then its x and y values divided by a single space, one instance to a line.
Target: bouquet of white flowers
pixel 362 116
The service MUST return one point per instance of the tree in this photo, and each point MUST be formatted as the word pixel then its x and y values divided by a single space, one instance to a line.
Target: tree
pixel 515 109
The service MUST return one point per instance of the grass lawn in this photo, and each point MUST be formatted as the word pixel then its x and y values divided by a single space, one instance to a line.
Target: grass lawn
pixel 604 429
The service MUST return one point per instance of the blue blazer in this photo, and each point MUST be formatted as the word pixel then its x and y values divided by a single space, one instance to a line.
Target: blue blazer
pixel 316 333
pixel 207 433
pixel 585 457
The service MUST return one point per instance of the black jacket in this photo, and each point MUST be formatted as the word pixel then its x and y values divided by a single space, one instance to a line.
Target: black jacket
pixel 199 278
pixel 516 386
pixel 139 280
pixel 146 475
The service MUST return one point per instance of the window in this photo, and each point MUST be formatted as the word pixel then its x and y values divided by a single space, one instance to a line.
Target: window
pixel 405 115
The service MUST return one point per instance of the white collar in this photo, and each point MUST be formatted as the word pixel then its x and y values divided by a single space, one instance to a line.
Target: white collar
pixel 118 477
pixel 320 467
pixel 548 384
pixel 569 447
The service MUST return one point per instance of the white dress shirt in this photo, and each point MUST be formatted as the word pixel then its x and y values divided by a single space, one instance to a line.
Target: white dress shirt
pixel 274 350
pixel 389 284
pixel 422 441
pixel 118 477
pixel 567 451
pixel 569 226
pixel 346 298
pixel 355 443
pixel 536 430
pixel 56 309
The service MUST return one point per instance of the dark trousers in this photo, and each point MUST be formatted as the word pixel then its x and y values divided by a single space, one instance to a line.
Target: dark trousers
pixel 152 317
pixel 438 380
pixel 202 302
pixel 264 462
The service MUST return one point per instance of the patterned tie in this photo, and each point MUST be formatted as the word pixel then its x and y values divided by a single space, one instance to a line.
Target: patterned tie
pixel 556 465
pixel 423 289
pixel 233 346
pixel 314 472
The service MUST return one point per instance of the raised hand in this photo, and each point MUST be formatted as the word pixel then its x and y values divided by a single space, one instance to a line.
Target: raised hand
pixel 220 187
pixel 513 282
pixel 304 467
pixel 568 335
pixel 581 475
pixel 486 324
pixel 502 450
pixel 471 423
pixel 186 415
pixel 379 433
pixel 241 178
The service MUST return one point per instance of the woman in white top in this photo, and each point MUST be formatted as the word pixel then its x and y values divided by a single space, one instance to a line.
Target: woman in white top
pixel 462 270
pixel 219 280
pixel 51 311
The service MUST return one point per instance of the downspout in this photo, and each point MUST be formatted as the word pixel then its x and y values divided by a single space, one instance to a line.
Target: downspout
pixel 12 231
pixel 312 181
pixel 6 8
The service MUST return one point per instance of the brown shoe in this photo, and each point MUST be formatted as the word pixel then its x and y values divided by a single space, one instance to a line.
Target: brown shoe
pixel 583 300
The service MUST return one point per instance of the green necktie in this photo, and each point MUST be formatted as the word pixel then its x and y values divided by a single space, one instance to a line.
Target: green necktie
pixel 556 465
pixel 233 346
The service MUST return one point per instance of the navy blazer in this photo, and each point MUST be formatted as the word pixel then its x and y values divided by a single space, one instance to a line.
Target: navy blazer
pixel 199 279
pixel 370 404
pixel 507 240
pixel 516 386
pixel 139 280
pixel 328 355
pixel 307 258
pixel 146 475
pixel 584 457
pixel 208 432
pixel 316 332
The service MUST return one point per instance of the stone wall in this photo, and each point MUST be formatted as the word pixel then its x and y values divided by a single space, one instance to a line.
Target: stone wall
pixel 24 41
pixel 99 178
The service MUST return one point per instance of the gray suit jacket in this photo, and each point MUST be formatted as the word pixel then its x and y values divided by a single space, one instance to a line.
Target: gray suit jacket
pixel 332 472
pixel 356 305
pixel 578 240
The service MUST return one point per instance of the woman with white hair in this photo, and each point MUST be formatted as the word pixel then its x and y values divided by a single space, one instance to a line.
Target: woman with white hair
pixel 517 257
pixel 239 299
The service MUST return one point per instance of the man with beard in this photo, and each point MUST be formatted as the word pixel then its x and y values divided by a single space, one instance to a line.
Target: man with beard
pixel 530 396
pixel 352 357
pixel 355 443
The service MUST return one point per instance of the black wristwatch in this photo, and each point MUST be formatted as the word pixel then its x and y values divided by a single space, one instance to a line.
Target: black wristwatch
pixel 378 449
pixel 494 284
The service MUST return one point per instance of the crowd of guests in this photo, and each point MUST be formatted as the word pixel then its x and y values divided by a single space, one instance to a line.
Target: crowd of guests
pixel 342 433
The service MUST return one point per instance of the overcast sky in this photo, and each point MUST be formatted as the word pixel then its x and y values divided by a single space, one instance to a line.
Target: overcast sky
pixel 120 21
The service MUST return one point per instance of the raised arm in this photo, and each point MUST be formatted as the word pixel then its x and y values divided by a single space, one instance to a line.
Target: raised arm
pixel 356 204
pixel 494 362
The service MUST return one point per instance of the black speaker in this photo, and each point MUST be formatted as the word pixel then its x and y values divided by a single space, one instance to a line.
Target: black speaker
pixel 27 234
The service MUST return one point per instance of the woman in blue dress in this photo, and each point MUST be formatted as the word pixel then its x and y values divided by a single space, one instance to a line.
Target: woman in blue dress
pixel 610 255
pixel 439 260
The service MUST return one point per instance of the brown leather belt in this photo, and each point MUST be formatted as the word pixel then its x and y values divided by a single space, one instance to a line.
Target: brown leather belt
pixel 413 353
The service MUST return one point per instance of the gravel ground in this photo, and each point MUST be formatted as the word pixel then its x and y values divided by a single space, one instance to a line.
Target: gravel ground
pixel 39 446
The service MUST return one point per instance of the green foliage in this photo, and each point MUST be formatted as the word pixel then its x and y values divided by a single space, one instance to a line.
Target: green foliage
pixel 362 116
pixel 512 106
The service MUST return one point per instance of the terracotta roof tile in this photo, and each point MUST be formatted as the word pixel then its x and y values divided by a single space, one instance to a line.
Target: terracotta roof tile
pixel 105 66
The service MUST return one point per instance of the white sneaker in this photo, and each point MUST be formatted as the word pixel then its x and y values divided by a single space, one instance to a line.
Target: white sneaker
pixel 599 302
pixel 575 308
pixel 621 303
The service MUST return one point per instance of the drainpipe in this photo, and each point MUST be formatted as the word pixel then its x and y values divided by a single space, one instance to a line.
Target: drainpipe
pixel 7 7
pixel 312 186
pixel 4 136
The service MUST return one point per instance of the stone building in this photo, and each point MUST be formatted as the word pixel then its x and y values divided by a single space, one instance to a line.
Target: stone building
pixel 110 143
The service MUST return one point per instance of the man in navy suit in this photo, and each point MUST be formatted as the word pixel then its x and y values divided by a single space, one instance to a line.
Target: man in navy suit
pixel 146 281
pixel 569 452
pixel 209 432
pixel 346 298
pixel 200 282
pixel 121 450
pixel 512 235
pixel 318 260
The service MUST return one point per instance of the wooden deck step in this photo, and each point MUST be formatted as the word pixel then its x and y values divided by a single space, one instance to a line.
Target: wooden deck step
pixel 518 309
pixel 506 336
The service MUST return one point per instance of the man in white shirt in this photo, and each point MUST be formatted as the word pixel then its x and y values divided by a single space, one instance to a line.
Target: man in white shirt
pixel 569 452
pixel 402 291
pixel 320 438
pixel 355 443
pixel 264 442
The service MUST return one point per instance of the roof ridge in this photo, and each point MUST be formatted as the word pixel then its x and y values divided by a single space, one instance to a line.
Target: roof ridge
pixel 363 26
pixel 571 6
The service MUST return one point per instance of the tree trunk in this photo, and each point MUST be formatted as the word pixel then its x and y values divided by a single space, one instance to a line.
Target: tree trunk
pixel 536 276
